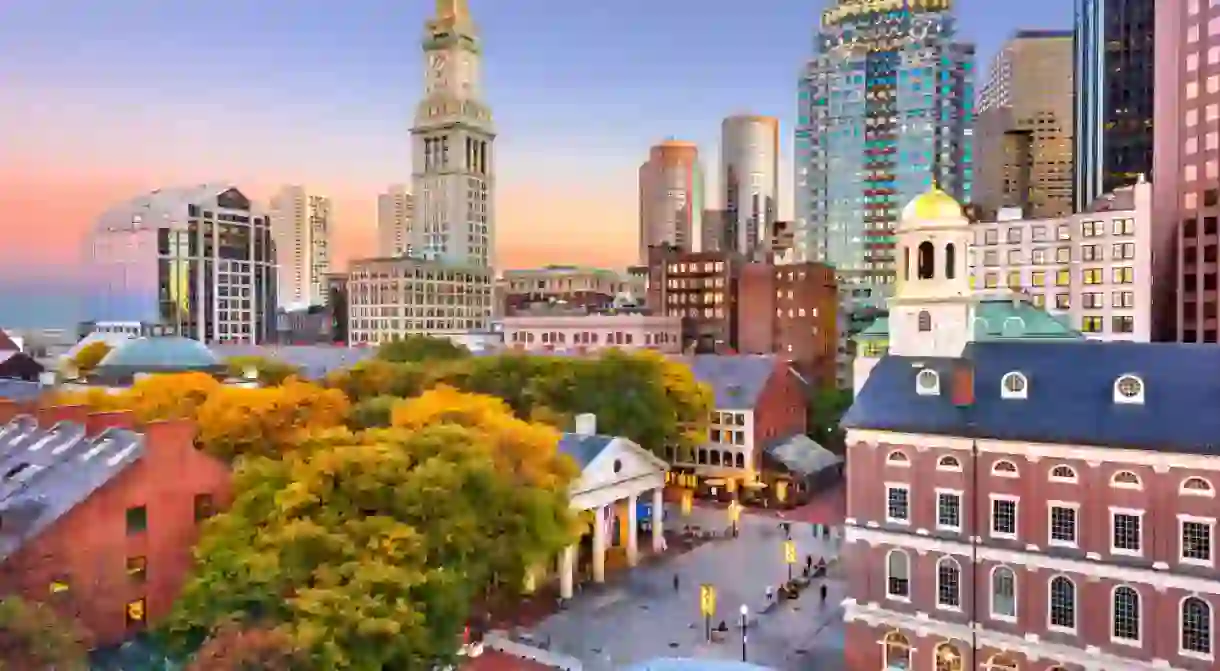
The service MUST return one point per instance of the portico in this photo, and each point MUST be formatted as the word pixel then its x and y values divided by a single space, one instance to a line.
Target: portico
pixel 617 475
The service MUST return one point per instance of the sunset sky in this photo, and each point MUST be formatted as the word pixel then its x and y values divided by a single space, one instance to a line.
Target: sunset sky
pixel 100 101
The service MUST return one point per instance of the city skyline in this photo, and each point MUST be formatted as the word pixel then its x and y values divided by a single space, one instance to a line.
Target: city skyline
pixel 578 94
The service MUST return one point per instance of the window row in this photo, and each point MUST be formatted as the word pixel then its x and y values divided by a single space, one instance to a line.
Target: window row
pixel 1195 617
pixel 1015 385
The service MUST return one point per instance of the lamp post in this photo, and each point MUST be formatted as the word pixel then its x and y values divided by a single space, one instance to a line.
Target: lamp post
pixel 745 611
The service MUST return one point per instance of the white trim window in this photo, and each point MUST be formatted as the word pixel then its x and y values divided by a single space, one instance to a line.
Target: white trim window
pixel 1061 605
pixel 1126 532
pixel 1005 469
pixel 897 503
pixel 949 510
pixel 1196 628
pixel 1126 480
pixel 1003 594
pixel 898 575
pixel 1196 536
pixel 1125 616
pixel 1062 523
pixel 1196 486
pixel 1063 473
pixel 949 463
pixel 948 584
pixel 898 459
pixel 1004 516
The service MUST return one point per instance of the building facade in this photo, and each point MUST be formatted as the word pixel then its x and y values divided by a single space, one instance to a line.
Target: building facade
pixel 749 180
pixel 1023 504
pixel 1093 268
pixel 885 106
pixel 395 208
pixel 1114 68
pixel 395 297
pixel 302 224
pixel 571 286
pixel 790 311
pixel 452 157
pixel 582 333
pixel 110 542
pixel 671 197
pixel 701 288
pixel 1024 128
pixel 199 260
pixel 1186 175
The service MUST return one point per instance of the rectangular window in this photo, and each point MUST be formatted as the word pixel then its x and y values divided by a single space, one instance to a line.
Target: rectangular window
pixel 1038 278
pixel 898 504
pixel 1063 255
pixel 137 569
pixel 991 280
pixel 1063 278
pixel 1014 235
pixel 1197 541
pixel 60 585
pixel 1091 324
pixel 1124 275
pixel 1092 276
pixel 204 507
pixel 1092 300
pixel 949 510
pixel 1122 251
pixel 1038 256
pixel 1063 525
pixel 1091 229
pixel 1004 517
pixel 1014 257
pixel 137 520
pixel 1063 301
pixel 136 614
pixel 1014 279
pixel 1064 232
pixel 1091 253
pixel 992 236
pixel 1123 299
pixel 1122 324
pixel 1126 533
pixel 1038 233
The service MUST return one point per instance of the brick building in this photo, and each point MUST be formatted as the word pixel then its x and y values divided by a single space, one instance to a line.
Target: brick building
pixel 700 287
pixel 1025 504
pixel 98 518
pixel 790 311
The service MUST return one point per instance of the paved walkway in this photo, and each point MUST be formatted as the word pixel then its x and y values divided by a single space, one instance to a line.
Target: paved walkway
pixel 638 616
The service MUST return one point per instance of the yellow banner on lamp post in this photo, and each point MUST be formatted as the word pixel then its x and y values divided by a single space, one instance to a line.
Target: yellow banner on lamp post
pixel 734 512
pixel 688 501
pixel 707 600
pixel 789 552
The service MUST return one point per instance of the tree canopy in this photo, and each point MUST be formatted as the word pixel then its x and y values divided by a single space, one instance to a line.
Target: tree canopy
pixel 367 548
pixel 269 371
pixel 32 636
pixel 88 357
pixel 236 648
pixel 417 348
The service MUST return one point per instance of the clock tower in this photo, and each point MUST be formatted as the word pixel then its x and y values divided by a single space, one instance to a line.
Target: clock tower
pixel 452 139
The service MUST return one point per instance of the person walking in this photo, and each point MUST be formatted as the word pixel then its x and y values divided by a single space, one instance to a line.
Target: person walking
pixel 677 582
pixel 770 594
pixel 823 591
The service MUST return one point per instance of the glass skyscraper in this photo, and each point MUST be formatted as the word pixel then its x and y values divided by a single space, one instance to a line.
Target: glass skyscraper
pixel 885 110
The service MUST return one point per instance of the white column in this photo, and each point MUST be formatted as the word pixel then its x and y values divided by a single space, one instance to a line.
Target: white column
pixel 599 544
pixel 567 567
pixel 633 544
pixel 658 518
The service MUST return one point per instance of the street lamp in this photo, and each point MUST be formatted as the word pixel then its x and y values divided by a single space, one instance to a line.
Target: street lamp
pixel 745 611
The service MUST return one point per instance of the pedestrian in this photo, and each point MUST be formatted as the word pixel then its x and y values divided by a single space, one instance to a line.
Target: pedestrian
pixel 808 562
pixel 770 594
pixel 677 582
pixel 823 590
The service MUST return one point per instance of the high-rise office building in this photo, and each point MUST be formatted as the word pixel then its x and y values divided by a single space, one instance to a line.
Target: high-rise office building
pixel 302 223
pixel 453 169
pixel 1024 129
pixel 749 180
pixel 1186 171
pixel 885 109
pixel 671 197
pixel 1114 94
pixel 197 260
pixel 394 212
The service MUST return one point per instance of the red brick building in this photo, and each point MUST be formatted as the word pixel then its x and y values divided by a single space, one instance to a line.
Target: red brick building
pixel 97 517
pixel 700 287
pixel 789 310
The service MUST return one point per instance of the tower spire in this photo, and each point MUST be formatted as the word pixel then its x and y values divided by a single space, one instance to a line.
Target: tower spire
pixel 452 9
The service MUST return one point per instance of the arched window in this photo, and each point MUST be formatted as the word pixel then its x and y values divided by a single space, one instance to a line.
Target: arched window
pixel 1002 662
pixel 1125 480
pixel 1003 593
pixel 1196 486
pixel 950 261
pixel 906 263
pixel 1014 385
pixel 1063 473
pixel 1125 614
pixel 948 464
pixel 948 583
pixel 898 458
pixel 1196 626
pixel 1063 603
pixel 897 651
pixel 925 321
pixel 927 261
pixel 740 460
pixel 898 574
pixel 1004 469
pixel 947 658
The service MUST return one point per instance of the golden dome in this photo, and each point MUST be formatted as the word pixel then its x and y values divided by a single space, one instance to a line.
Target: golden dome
pixel 934 205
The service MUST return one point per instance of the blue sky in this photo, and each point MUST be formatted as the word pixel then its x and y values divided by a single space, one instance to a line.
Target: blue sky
pixel 100 97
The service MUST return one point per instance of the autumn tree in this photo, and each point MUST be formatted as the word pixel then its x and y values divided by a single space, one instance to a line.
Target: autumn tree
pixel 268 371
pixel 421 348
pixel 372 413
pixel 33 637
pixel 240 421
pixel 88 357
pixel 377 377
pixel 366 548
pixel 234 647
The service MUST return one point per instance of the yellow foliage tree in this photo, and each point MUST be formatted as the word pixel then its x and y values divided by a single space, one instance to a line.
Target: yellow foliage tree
pixel 88 357
pixel 270 371
pixel 239 421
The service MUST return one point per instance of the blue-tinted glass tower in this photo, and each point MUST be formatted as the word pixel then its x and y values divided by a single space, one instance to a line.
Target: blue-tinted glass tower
pixel 885 109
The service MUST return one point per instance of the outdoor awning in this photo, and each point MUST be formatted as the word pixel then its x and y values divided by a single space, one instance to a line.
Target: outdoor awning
pixel 800 456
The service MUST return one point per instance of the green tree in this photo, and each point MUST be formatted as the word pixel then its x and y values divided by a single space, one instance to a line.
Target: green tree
pixel 33 638
pixel 826 408
pixel 419 348
pixel 88 357
pixel 378 377
pixel 234 647
pixel 372 413
pixel 270 371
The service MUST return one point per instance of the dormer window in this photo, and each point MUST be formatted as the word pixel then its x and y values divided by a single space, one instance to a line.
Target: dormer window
pixel 927 383
pixel 1129 389
pixel 1014 385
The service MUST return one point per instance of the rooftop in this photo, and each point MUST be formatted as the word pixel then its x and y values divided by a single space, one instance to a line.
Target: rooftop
pixel 736 380
pixel 583 448
pixel 159 354
pixel 1000 318
pixel 314 361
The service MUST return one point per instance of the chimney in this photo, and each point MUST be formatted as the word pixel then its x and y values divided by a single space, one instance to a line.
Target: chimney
pixel 98 422
pixel 963 385
pixel 52 415
pixel 586 424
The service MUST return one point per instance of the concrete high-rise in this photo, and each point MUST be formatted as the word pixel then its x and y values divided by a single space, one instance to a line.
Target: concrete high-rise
pixel 671 197
pixel 749 180
pixel 1024 129
pixel 885 109
pixel 1186 171
pixel 394 214
pixel 1114 68
pixel 453 167
pixel 302 224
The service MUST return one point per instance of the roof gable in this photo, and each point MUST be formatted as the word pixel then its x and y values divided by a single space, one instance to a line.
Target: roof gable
pixel 617 460
pixel 737 381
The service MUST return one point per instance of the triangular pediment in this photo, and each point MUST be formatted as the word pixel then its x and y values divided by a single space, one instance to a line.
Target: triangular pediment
pixel 621 461
pixel 233 199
